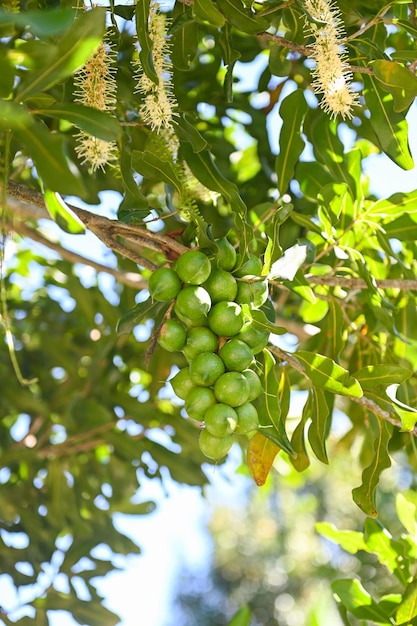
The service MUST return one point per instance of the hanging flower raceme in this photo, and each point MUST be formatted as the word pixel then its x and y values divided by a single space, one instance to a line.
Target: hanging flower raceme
pixel 157 109
pixel 331 75
pixel 96 87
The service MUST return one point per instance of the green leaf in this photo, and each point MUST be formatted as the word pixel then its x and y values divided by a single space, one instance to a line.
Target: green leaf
pixel 62 214
pixel 301 287
pixel 397 204
pixel 390 127
pixel 184 37
pixel 146 45
pixel 403 228
pixel 372 376
pixel 292 112
pixel 408 414
pixel 301 461
pixel 261 322
pixel 241 18
pixel 364 495
pixel 379 543
pixel 140 313
pixel 41 23
pixel 7 75
pixel 359 602
pixel 326 374
pixel 396 80
pixel 73 50
pixel 230 56
pixel 320 424
pixel 408 607
pixel 186 131
pixel 92 121
pixel 44 147
pixel 349 540
pixel 152 166
pixel 207 172
pixel 335 329
pixel 205 11
pixel 241 618
pixel 407 514
pixel 269 409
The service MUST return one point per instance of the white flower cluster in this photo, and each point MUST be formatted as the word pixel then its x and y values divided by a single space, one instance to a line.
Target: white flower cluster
pixel 159 102
pixel 96 87
pixel 331 76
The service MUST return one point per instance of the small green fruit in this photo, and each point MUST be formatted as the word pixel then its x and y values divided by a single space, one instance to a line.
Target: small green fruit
pixel 164 285
pixel 254 293
pixel 220 420
pixel 172 336
pixel 193 267
pixel 232 388
pixel 221 285
pixel 236 355
pixel 214 448
pixel 251 267
pixel 182 383
pixel 198 401
pixel 206 368
pixel 226 319
pixel 255 385
pixel 193 303
pixel 199 339
pixel 248 419
pixel 226 255
pixel 256 339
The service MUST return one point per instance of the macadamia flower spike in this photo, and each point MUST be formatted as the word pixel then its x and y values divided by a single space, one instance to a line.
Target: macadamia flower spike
pixel 331 77
pixel 158 106
pixel 95 87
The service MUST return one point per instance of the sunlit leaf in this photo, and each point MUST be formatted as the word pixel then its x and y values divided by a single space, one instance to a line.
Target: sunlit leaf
pixel 62 214
pixel 349 540
pixel 407 514
pixel 372 376
pixel 320 424
pixel 260 457
pixel 359 602
pixel 396 80
pixel 408 414
pixel 242 617
pixel 326 374
pixel 379 542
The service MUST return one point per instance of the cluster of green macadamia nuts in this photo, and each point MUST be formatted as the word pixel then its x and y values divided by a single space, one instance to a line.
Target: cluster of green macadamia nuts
pixel 215 332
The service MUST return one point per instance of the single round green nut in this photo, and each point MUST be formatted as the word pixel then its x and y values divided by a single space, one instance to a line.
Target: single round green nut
pixel 214 448
pixel 255 385
pixel 192 305
pixel 221 285
pixel 199 339
pixel 172 336
pixel 247 418
pixel 251 267
pixel 182 383
pixel 225 319
pixel 232 388
pixel 220 420
pixel 226 254
pixel 164 284
pixel 236 355
pixel 256 339
pixel 193 267
pixel 206 368
pixel 254 293
pixel 198 401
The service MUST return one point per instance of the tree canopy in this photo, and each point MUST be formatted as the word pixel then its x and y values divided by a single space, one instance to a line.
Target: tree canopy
pixel 236 130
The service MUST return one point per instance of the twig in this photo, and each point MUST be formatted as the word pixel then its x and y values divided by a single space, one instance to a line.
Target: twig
pixel 359 283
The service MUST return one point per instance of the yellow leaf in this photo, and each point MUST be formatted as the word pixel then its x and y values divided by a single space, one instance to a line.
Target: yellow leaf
pixel 260 457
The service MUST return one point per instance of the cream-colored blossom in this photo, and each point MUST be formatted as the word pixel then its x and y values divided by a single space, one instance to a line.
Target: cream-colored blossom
pixel 96 87
pixel 331 76
pixel 158 106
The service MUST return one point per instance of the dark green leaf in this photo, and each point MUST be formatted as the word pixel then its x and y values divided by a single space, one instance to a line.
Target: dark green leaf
pixel 184 34
pixel 390 127
pixel 364 495
pixel 242 18
pixel 205 11
pixel 139 314
pixel 372 376
pixel 292 112
pixel 41 23
pixel 73 50
pixel 146 45
pixel 403 228
pixel 92 121
pixel 186 131
pixel 153 166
